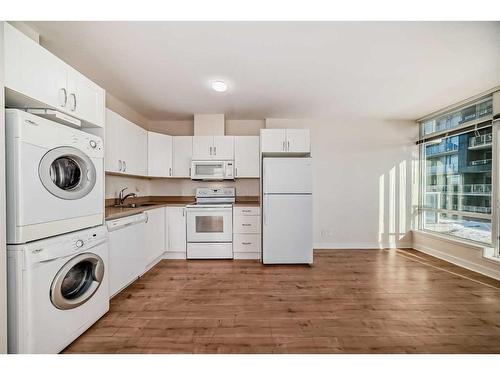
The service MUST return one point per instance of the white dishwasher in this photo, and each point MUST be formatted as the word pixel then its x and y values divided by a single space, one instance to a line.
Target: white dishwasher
pixel 126 243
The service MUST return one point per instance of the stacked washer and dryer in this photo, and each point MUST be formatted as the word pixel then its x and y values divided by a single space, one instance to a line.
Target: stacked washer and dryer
pixel 57 250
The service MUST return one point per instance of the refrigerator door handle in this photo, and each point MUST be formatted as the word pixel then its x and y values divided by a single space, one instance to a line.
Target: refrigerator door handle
pixel 265 210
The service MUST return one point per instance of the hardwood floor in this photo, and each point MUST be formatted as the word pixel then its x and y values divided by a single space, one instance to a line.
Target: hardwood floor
pixel 350 301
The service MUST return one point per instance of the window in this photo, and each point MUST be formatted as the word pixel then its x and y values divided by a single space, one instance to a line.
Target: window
pixel 456 180
pixel 458 118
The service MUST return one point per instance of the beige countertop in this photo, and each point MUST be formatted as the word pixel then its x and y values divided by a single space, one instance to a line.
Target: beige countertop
pixel 112 212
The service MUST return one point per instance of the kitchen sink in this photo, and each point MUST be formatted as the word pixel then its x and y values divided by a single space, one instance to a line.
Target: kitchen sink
pixel 136 205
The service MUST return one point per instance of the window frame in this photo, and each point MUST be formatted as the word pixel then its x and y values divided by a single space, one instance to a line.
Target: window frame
pixel 424 140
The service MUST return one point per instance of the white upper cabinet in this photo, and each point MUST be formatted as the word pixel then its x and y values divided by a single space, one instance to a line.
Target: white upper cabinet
pixel 246 156
pixel 223 147
pixel 213 147
pixel 298 140
pixel 159 155
pixel 285 141
pixel 203 147
pixel 112 157
pixel 43 79
pixel 85 99
pixel 32 70
pixel 272 140
pixel 182 155
pixel 134 148
pixel 126 146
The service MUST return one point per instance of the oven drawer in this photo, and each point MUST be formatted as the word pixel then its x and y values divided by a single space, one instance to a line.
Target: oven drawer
pixel 246 211
pixel 246 243
pixel 246 224
pixel 210 251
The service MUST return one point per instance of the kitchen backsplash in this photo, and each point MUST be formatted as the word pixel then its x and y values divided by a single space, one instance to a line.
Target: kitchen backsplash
pixel 140 186
pixel 174 187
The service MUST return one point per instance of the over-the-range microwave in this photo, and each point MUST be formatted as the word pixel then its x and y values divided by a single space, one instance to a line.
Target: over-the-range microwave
pixel 212 170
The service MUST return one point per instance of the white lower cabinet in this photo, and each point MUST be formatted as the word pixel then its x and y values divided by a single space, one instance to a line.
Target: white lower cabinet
pixel 155 236
pixel 246 232
pixel 246 243
pixel 175 235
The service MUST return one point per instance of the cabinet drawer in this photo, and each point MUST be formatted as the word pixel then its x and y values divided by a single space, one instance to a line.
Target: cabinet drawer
pixel 246 211
pixel 246 243
pixel 246 224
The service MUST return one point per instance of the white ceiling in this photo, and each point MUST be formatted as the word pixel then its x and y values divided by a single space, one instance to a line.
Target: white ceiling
pixel 399 70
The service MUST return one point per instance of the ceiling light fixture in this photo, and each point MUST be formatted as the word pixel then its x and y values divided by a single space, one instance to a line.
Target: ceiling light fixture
pixel 219 86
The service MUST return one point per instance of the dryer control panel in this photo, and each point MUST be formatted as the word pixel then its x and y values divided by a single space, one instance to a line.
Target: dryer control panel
pixel 64 245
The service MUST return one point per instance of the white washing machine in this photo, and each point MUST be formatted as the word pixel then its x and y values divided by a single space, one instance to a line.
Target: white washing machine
pixel 55 178
pixel 57 288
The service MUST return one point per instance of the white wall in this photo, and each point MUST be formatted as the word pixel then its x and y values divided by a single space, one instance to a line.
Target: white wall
pixel 116 105
pixel 3 266
pixel 172 127
pixel 363 177
pixel 186 127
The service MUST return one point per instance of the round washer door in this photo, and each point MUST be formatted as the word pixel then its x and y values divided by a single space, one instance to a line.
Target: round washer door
pixel 67 173
pixel 77 281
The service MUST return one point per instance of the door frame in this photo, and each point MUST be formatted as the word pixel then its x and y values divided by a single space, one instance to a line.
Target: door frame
pixel 3 250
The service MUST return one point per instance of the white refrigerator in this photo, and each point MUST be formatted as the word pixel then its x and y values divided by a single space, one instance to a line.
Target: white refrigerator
pixel 287 211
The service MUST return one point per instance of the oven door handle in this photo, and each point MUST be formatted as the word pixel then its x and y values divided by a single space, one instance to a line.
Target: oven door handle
pixel 208 210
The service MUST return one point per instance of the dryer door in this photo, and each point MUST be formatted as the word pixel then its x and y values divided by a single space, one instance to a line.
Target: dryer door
pixel 67 173
pixel 77 281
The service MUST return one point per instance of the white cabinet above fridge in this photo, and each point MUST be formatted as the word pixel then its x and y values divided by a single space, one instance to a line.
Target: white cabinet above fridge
pixel 284 142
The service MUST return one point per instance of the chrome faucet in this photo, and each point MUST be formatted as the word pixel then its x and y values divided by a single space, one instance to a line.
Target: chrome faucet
pixel 121 198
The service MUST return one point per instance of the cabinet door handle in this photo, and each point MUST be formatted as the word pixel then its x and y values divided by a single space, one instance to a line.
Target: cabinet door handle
pixel 215 150
pixel 147 217
pixel 183 212
pixel 246 211
pixel 124 166
pixel 120 165
pixel 246 243
pixel 74 102
pixel 246 225
pixel 235 172
pixel 210 150
pixel 189 171
pixel 283 146
pixel 288 145
pixel 170 171
pixel 62 89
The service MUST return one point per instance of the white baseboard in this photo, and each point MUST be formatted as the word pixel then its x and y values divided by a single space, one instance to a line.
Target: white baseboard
pixel 241 256
pixel 361 245
pixel 479 268
pixel 174 255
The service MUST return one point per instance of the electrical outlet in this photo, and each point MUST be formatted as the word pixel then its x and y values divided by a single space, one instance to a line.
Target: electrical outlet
pixel 327 233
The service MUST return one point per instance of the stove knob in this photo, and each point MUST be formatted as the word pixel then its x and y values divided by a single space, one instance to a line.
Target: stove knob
pixel 79 243
pixel 93 144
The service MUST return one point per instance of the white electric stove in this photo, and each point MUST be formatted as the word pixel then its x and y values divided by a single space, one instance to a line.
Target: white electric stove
pixel 210 224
